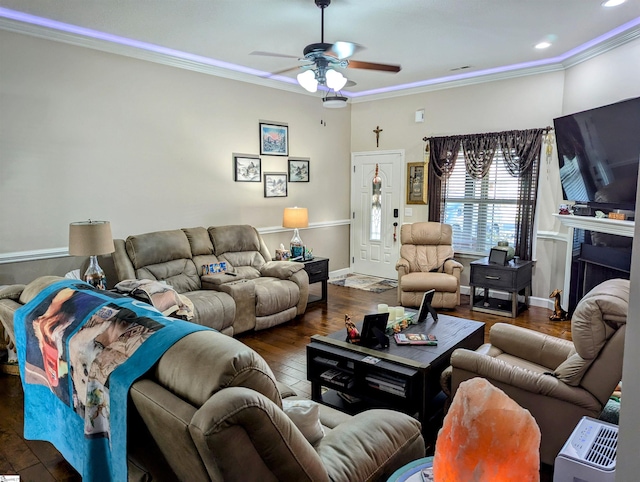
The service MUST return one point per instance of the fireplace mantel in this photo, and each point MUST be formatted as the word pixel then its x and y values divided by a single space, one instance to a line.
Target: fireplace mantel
pixel 600 225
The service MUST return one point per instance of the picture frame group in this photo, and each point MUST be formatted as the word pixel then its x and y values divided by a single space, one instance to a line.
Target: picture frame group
pixel 274 141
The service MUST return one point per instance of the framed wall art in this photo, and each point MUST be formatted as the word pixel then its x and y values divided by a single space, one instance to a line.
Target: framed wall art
pixel 274 139
pixel 247 168
pixel 416 183
pixel 298 169
pixel 275 184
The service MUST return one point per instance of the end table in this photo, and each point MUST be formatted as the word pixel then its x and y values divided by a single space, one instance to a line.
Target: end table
pixel 318 271
pixel 512 278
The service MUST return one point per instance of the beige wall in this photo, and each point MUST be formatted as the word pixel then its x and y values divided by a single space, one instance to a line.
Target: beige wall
pixel 87 134
pixel 520 103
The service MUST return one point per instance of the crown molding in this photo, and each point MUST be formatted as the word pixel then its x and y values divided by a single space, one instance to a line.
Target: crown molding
pixel 602 47
pixel 143 54
pixel 290 85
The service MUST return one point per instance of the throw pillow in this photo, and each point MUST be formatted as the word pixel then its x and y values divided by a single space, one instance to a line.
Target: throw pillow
pixel 305 415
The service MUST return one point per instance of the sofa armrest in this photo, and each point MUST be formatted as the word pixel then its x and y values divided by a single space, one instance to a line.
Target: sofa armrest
pixel 499 372
pixel 545 350
pixel 213 281
pixel 377 442
pixel 281 269
pixel 242 435
pixel 11 292
pixel 8 307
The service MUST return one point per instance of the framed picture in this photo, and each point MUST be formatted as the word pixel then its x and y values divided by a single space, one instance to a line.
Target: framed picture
pixel 274 139
pixel 298 169
pixel 416 183
pixel 275 184
pixel 247 168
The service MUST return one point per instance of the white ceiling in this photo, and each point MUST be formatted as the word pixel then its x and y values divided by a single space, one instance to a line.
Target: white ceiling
pixel 430 39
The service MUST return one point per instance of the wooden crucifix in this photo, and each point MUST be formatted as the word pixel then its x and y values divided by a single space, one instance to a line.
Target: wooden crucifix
pixel 377 131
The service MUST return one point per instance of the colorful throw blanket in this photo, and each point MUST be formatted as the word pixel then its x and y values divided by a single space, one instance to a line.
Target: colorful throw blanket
pixel 79 351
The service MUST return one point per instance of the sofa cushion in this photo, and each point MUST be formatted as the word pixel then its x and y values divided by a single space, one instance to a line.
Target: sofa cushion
pixel 216 361
pixel 234 238
pixel 199 241
pixel 158 247
pixel 179 273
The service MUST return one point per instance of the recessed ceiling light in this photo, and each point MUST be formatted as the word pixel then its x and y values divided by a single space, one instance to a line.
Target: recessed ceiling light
pixel 543 45
pixel 613 3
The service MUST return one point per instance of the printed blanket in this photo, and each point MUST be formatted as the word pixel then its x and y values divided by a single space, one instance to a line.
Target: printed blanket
pixel 79 351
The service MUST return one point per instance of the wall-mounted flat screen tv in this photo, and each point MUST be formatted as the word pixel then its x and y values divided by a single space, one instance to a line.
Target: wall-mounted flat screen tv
pixel 599 154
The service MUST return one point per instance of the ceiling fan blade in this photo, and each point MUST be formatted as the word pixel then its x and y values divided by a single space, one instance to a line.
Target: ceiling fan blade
pixel 283 71
pixel 357 64
pixel 273 54
pixel 350 83
pixel 342 50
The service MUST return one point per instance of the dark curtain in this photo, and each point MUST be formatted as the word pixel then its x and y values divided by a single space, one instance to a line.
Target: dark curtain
pixel 521 151
pixel 478 153
pixel 444 152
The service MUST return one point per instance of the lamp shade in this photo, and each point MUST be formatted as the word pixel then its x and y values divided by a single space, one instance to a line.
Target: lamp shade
pixel 295 218
pixel 90 238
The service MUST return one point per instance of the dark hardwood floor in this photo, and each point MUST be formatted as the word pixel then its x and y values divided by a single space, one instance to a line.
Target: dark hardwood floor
pixel 283 347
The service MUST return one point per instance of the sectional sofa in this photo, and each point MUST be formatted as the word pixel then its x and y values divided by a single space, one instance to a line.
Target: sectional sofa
pixel 211 410
pixel 253 293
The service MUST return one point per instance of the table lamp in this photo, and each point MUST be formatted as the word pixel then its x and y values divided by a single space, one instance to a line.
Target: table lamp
pixel 91 238
pixel 296 218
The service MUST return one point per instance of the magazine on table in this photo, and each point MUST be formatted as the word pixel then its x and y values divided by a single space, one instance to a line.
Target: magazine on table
pixel 415 339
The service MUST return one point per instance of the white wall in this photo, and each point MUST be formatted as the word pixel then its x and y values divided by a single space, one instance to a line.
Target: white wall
pixel 87 134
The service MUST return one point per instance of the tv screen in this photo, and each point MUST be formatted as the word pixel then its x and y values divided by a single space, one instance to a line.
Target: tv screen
pixel 599 154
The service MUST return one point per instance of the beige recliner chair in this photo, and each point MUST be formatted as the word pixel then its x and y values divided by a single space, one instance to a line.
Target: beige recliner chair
pixel 558 381
pixel 426 262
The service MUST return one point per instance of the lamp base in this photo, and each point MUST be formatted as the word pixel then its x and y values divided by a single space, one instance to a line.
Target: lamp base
pixel 296 246
pixel 94 274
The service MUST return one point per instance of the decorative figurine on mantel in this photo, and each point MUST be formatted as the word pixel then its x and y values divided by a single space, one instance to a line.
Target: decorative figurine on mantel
pixel 353 335
pixel 558 313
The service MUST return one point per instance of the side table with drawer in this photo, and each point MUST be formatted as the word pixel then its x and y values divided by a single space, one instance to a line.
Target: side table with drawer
pixel 512 278
pixel 318 271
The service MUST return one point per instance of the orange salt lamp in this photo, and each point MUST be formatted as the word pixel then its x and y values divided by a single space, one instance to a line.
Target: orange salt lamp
pixel 486 437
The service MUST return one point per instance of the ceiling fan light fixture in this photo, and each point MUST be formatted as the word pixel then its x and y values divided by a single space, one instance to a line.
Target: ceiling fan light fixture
pixel 307 80
pixel 335 80
pixel 334 101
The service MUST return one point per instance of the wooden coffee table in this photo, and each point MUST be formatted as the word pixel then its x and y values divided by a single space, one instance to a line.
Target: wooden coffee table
pixel 401 377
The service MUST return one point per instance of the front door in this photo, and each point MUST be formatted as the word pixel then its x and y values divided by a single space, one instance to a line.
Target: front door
pixel 376 193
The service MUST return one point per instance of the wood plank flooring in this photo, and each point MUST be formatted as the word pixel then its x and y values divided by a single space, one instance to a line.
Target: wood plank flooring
pixel 283 347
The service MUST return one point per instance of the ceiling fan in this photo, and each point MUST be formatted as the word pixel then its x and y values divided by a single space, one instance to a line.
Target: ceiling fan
pixel 323 59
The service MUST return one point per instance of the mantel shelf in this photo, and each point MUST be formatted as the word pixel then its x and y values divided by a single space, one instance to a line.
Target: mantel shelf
pixel 601 225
